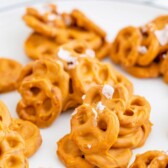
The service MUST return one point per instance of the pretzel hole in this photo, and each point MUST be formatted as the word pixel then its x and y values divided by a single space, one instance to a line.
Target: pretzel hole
pixel 12 142
pixel 70 86
pixel 82 118
pixel 79 49
pixel 13 161
pixel 86 68
pixel 96 98
pixel 137 102
pixel 129 113
pixel 103 74
pixel 47 104
pixel 35 90
pixel 30 110
pixel 102 125
pixel 128 50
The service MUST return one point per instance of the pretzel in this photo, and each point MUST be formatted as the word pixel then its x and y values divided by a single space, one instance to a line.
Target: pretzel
pixel 160 21
pixel 12 151
pixel 97 96
pixel 30 133
pixel 94 131
pixel 38 46
pixel 111 158
pixel 151 159
pixel 135 139
pixel 84 22
pixel 151 71
pixel 151 44
pixel 70 154
pixel 137 111
pixel 9 72
pixel 49 69
pixel 41 103
pixel 124 48
pixel 5 117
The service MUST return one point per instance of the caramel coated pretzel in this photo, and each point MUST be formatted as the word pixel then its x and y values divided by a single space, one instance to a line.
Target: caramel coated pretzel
pixel 70 154
pixel 124 47
pixel 151 159
pixel 12 151
pixel 30 133
pixel 111 158
pixel 49 69
pixel 94 131
pixel 41 103
pixel 38 46
pixel 9 72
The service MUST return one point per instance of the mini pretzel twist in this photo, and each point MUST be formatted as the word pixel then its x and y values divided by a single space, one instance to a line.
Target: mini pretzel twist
pixel 124 48
pixel 70 154
pixel 94 131
pixel 151 159
pixel 12 151
pixel 42 102
pixel 30 133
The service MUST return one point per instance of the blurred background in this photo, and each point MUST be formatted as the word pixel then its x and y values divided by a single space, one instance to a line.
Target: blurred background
pixel 7 4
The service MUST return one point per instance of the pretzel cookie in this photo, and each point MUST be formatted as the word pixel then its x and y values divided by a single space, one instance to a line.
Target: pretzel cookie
pixel 12 151
pixel 9 72
pixel 30 133
pixel 151 159
pixel 41 103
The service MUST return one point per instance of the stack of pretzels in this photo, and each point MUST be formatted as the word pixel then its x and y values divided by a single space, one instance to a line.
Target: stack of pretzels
pixel 51 85
pixel 143 51
pixel 18 140
pixel 52 29
pixel 105 128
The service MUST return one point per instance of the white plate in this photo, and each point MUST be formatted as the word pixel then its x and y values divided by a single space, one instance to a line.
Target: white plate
pixel 112 16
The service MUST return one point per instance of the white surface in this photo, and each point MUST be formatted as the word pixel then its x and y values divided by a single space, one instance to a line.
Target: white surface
pixel 112 16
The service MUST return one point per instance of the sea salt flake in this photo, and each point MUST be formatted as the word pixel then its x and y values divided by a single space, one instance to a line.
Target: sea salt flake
pixel 142 49
pixel 66 56
pixel 100 106
pixel 90 52
pixel 107 91
pixel 95 114
pixel 162 35
pixel 83 97
pixel 89 146
pixel 161 158
pixel 74 113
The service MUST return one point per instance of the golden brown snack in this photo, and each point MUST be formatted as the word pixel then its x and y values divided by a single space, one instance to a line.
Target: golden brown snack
pixel 30 133
pixel 151 71
pixel 12 151
pixel 5 117
pixel 152 159
pixel 84 22
pixel 38 46
pixel 41 103
pixel 50 69
pixel 94 131
pixel 70 154
pixel 9 72
pixel 111 158
pixel 124 48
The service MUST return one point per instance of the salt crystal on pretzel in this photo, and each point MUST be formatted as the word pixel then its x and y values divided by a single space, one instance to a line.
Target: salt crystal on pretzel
pixel 89 146
pixel 142 49
pixel 95 113
pixel 66 56
pixel 162 35
pixel 83 97
pixel 107 91
pixel 161 158
pixel 100 106
pixel 90 52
